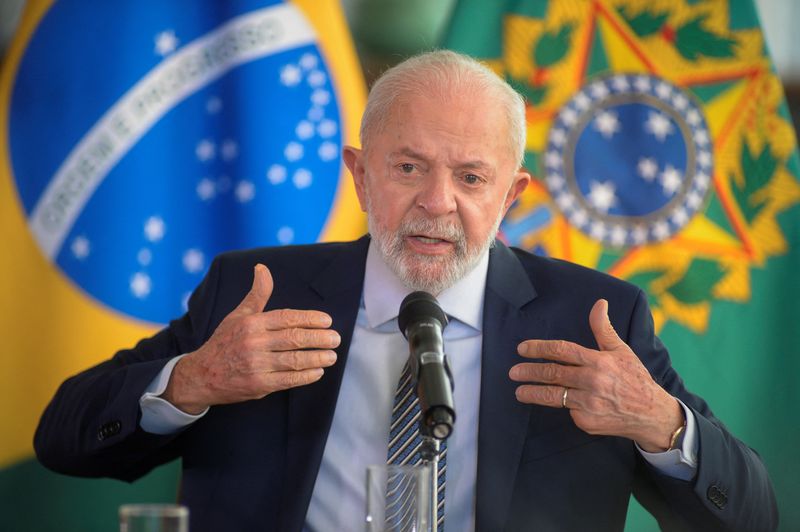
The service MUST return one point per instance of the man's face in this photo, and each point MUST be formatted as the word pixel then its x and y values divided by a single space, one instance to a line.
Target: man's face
pixel 435 184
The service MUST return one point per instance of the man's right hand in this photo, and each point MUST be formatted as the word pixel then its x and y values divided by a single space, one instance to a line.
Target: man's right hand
pixel 254 353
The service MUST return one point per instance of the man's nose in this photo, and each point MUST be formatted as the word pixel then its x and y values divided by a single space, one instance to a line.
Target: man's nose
pixel 437 196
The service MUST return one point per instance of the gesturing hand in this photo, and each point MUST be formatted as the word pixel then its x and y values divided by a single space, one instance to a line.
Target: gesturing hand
pixel 609 391
pixel 254 353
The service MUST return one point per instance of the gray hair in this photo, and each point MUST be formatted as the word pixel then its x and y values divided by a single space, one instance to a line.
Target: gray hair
pixel 443 73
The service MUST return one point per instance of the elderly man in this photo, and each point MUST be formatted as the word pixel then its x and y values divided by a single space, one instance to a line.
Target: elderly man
pixel 277 412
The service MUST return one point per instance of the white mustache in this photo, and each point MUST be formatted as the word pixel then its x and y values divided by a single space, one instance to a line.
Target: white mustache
pixel 439 229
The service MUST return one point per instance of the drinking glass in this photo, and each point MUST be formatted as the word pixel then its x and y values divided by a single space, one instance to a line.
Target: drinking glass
pixel 153 518
pixel 398 498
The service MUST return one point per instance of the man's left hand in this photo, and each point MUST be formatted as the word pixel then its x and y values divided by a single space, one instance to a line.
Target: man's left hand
pixel 608 391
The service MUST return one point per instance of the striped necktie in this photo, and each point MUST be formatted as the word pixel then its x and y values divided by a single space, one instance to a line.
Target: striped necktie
pixel 405 439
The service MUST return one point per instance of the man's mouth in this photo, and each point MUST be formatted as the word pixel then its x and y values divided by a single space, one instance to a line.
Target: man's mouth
pixel 430 239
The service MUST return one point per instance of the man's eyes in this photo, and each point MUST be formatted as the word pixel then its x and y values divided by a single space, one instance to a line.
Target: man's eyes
pixel 406 168
pixel 472 179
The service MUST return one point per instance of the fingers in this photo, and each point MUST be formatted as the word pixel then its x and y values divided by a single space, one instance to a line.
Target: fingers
pixel 604 333
pixel 558 350
pixel 288 318
pixel 283 380
pixel 302 360
pixel 256 299
pixel 297 339
pixel 550 373
pixel 547 395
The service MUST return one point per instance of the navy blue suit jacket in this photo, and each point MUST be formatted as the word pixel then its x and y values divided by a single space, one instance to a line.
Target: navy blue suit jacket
pixel 252 466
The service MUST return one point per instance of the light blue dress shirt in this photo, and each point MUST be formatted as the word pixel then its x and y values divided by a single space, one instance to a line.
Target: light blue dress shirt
pixel 359 431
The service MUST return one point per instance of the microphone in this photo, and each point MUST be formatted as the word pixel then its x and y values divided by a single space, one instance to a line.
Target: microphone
pixel 421 321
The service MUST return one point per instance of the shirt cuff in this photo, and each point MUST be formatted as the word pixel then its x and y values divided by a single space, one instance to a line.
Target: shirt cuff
pixel 159 416
pixel 678 463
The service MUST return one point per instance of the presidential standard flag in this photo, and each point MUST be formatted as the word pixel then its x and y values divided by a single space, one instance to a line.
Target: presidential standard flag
pixel 138 141
pixel 664 154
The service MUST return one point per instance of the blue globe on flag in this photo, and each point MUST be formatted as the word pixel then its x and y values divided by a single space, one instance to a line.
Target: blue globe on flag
pixel 182 137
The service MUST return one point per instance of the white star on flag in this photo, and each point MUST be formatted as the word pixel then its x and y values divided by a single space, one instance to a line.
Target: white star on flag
pixel 663 90
pixel 570 116
pixel 320 97
pixel 327 128
pixel 553 158
pixel 582 101
pixel 607 123
pixel 598 230
pixel 599 90
pixel 680 216
pixel 565 201
pixel 154 229
pixel 680 101
pixel 658 125
pixel 80 247
pixel 308 61
pixel 291 75
pixel 166 43
pixel 230 150
pixel 206 189
pixel 694 200
pixel 704 158
pixel 276 174
pixel 647 168
pixel 193 260
pixel 602 196
pixel 304 130
pixel 205 150
pixel 618 235
pixel 144 256
pixel 693 117
pixel 671 180
pixel 317 78
pixel 642 84
pixel 639 234
pixel 301 178
pixel 245 191
pixel 315 114
pixel 213 105
pixel 558 136
pixel 661 230
pixel 580 217
pixel 140 285
pixel 285 235
pixel 621 84
pixel 293 151
pixel 328 151
pixel 555 181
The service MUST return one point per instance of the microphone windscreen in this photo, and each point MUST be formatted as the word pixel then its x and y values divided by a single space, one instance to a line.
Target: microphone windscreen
pixel 418 306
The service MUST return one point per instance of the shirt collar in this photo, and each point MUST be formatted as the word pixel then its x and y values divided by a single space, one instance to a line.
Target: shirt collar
pixel 383 292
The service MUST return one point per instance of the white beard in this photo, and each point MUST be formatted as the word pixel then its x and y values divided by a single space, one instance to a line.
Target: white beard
pixel 430 273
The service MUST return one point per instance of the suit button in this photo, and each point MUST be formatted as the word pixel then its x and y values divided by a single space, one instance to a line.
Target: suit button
pixel 717 496
pixel 109 429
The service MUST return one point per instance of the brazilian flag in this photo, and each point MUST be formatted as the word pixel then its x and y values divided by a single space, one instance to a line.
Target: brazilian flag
pixel 139 139
pixel 664 154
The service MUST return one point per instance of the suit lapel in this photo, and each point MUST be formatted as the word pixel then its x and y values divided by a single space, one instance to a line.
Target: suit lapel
pixel 503 420
pixel 311 408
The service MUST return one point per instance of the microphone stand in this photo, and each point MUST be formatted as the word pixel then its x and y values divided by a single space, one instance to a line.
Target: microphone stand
pixel 429 451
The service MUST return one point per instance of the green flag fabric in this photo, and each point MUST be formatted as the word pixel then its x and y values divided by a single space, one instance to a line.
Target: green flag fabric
pixel 663 153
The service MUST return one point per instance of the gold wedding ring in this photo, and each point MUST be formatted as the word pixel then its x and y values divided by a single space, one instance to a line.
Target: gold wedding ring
pixel 564 398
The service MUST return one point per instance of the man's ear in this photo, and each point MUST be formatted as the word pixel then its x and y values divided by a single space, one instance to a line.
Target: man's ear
pixel 518 185
pixel 354 160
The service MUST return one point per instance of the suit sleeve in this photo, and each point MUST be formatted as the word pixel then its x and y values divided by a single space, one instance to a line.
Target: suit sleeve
pixel 731 489
pixel 91 426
